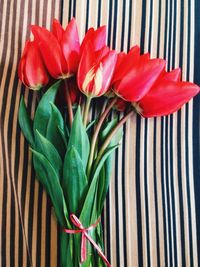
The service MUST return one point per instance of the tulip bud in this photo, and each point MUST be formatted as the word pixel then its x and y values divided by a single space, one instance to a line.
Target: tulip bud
pixel 97 37
pixel 96 70
pixel 135 74
pixel 32 71
pixel 166 96
pixel 59 49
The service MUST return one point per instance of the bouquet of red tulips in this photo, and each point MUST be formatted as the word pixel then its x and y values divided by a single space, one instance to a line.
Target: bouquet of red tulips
pixel 72 153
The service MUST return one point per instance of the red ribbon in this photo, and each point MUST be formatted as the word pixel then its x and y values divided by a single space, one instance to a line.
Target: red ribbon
pixel 85 237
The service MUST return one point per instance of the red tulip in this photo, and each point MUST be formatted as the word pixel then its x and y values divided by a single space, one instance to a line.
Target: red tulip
pixel 166 96
pixel 96 70
pixel 135 74
pixel 60 48
pixel 32 71
pixel 97 37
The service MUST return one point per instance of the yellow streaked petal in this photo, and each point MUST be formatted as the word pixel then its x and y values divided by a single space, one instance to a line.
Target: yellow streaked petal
pixel 98 80
pixel 88 78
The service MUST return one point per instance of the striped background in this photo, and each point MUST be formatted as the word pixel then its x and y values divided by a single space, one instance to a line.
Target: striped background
pixel 150 215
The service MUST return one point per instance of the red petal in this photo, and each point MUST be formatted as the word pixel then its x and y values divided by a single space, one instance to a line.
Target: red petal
pixel 126 63
pixel 57 30
pixel 22 62
pixel 174 75
pixel 139 80
pixel 87 61
pixel 98 38
pixel 101 53
pixel 87 37
pixel 51 51
pixel 71 46
pixel 167 98
pixel 34 71
pixel 108 67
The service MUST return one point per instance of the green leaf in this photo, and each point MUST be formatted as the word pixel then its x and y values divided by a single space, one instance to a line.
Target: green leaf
pixel 90 124
pixel 43 111
pixel 104 181
pixel 105 173
pixel 79 138
pixel 107 129
pixel 66 255
pixel 54 128
pixel 25 123
pixel 47 175
pixel 74 182
pixel 86 213
pixel 48 150
pixel 64 135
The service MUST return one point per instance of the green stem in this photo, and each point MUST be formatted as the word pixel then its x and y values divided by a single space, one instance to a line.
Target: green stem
pixel 69 103
pixel 86 110
pixel 110 136
pixel 96 132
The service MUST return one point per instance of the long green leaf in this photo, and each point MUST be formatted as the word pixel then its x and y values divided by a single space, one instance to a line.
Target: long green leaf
pixel 48 176
pixel 74 182
pixel 105 173
pixel 43 111
pixel 46 148
pixel 25 123
pixel 104 181
pixel 54 128
pixel 79 138
pixel 86 213
pixel 106 131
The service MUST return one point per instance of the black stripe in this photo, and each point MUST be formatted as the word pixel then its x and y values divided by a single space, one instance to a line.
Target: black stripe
pixel 150 26
pixel 159 27
pixel 196 124
pixel 70 10
pixel 39 225
pixel 87 15
pixel 180 188
pixel 129 25
pixel 123 174
pixel 110 22
pixel 117 205
pixel 143 22
pixel 163 190
pixel 74 8
pixel 165 28
pixel 4 206
pixel 146 193
pixel 99 13
pixel 172 178
pixel 156 191
pixel 138 193
pixel 108 251
pixel 123 25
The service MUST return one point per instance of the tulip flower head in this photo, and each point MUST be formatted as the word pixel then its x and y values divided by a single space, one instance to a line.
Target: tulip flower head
pixel 32 71
pixel 167 95
pixel 135 74
pixel 96 70
pixel 97 37
pixel 60 48
pixel 145 83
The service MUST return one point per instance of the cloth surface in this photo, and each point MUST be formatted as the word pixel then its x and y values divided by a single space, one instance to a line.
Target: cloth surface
pixel 152 214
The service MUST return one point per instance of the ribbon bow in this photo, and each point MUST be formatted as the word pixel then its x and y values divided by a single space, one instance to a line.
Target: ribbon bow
pixel 84 238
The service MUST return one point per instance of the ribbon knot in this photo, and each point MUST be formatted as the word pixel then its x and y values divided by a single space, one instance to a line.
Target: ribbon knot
pixel 85 236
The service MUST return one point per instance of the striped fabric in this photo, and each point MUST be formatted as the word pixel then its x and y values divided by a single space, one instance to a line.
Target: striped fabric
pixel 152 216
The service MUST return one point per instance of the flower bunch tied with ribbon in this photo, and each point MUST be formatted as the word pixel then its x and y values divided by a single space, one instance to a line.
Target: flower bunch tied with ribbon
pixel 82 86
